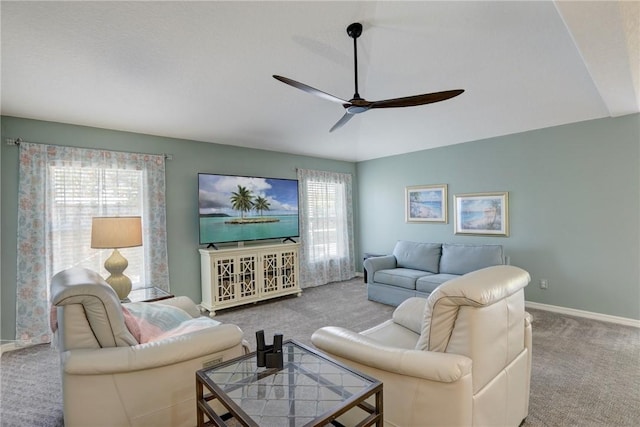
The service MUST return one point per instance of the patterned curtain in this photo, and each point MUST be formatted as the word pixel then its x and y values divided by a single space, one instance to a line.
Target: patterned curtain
pixel 326 227
pixel 60 189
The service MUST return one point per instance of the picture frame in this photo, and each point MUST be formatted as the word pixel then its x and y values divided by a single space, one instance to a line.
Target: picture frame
pixel 426 203
pixel 485 214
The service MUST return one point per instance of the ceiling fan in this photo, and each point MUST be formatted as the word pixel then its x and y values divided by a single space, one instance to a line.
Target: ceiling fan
pixel 357 105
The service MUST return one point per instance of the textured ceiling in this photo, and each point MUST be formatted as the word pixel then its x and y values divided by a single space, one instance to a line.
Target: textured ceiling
pixel 202 70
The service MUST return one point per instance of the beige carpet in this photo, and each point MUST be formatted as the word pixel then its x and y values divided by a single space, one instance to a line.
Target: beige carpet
pixel 585 372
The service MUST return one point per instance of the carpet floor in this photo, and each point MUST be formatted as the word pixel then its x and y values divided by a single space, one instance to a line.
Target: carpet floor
pixel 585 372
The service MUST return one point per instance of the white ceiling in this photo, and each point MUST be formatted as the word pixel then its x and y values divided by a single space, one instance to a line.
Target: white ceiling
pixel 202 70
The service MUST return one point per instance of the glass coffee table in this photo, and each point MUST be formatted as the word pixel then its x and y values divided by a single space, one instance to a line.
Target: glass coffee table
pixel 310 390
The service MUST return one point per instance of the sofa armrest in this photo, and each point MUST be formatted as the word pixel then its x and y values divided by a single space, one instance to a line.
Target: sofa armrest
pixel 427 365
pixel 374 264
pixel 155 354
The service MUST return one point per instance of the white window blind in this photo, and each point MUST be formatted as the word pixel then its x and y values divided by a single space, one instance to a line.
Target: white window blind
pixel 79 194
pixel 327 221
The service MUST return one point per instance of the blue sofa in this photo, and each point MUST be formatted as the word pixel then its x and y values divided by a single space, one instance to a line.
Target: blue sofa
pixel 416 269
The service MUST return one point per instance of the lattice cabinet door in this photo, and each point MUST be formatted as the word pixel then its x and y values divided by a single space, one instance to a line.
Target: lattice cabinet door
pixel 247 280
pixel 270 273
pixel 225 280
pixel 279 272
pixel 289 269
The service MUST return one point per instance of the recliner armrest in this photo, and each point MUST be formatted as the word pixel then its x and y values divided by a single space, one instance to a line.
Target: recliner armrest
pixel 378 263
pixel 153 354
pixel 410 313
pixel 183 302
pixel 428 365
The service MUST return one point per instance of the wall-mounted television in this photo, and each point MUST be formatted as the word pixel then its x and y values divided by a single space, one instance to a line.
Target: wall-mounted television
pixel 235 208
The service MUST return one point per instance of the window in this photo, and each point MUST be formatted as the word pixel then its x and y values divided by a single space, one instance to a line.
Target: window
pixel 60 189
pixel 326 225
pixel 79 194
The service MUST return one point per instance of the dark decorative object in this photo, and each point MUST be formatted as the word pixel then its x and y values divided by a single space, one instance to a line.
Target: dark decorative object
pixel 269 356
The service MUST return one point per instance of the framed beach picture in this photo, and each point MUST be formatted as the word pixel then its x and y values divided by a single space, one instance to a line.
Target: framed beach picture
pixel 426 203
pixel 482 213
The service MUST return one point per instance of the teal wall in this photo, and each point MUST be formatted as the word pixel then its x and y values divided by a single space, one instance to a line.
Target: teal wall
pixel 574 197
pixel 574 202
pixel 189 158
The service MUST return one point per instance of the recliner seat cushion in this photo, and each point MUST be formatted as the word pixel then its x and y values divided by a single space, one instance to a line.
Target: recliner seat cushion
pixel 400 277
pixel 154 322
pixel 418 256
pixel 462 259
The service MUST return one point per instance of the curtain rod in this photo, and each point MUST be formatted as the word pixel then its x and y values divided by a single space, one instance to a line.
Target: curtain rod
pixel 17 141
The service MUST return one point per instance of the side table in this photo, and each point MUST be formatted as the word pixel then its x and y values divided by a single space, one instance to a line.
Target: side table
pixel 148 294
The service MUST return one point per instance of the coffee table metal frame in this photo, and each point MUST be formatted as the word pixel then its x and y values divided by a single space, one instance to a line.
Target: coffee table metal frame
pixel 235 411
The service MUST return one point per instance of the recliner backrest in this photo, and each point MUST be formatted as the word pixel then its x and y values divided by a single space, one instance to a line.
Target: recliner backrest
pixel 89 313
pixel 479 315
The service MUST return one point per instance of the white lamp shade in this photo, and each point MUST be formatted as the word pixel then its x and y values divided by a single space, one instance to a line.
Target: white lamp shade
pixel 116 232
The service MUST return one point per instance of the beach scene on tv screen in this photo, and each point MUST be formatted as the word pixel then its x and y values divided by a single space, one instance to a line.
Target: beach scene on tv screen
pixel 239 208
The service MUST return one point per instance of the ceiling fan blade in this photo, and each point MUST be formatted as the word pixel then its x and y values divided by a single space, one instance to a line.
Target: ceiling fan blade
pixel 411 101
pixel 309 89
pixel 341 122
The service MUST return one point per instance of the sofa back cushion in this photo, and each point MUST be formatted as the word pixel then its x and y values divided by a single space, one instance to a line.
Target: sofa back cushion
pixel 462 259
pixel 418 256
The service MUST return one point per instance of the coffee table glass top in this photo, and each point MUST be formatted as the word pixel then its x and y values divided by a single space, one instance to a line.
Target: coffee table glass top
pixel 307 387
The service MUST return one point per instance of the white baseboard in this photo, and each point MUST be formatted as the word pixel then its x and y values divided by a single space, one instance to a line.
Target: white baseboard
pixel 14 345
pixel 587 314
pixel 8 347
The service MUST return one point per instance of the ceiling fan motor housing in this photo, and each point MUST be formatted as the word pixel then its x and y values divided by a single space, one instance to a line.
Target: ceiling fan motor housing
pixel 354 30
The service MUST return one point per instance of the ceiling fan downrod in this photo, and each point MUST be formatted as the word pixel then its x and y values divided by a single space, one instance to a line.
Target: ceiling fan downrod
pixel 355 30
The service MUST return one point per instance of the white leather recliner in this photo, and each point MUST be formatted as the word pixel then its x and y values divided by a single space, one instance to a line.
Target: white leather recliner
pixel 462 357
pixel 108 378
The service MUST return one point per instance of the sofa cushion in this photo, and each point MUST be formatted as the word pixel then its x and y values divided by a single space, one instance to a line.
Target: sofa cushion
pixel 429 283
pixel 462 259
pixel 418 256
pixel 401 277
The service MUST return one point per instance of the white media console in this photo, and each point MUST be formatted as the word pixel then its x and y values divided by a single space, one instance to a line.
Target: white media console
pixel 242 275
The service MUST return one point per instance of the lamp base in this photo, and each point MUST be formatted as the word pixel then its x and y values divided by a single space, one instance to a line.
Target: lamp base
pixel 115 265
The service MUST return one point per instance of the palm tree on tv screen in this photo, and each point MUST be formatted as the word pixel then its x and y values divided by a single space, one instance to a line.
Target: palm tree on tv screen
pixel 241 200
pixel 261 204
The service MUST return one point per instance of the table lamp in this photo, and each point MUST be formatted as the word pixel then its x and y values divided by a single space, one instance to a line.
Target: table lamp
pixel 113 233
